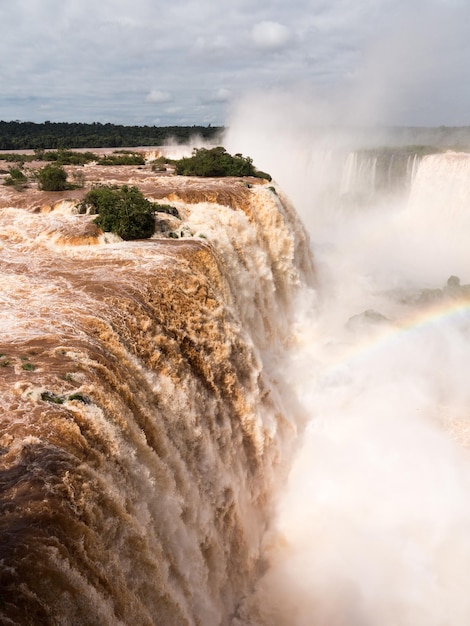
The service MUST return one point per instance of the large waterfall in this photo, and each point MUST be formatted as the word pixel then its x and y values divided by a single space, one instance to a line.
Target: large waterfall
pixel 373 526
pixel 146 417
pixel 247 425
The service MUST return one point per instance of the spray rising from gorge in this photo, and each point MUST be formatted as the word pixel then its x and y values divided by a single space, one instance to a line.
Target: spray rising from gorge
pixel 372 527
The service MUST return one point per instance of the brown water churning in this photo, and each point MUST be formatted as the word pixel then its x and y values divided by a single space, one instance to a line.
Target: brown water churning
pixel 142 430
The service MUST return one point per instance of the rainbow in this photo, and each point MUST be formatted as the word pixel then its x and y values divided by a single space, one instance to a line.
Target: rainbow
pixel 447 312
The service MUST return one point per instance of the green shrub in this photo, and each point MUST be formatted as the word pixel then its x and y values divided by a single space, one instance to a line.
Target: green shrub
pixel 159 164
pixel 52 177
pixel 217 162
pixel 13 157
pixel 66 157
pixel 15 178
pixel 122 157
pixel 121 210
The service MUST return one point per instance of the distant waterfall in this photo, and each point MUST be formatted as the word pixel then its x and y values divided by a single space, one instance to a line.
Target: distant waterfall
pixel 368 173
pixel 442 184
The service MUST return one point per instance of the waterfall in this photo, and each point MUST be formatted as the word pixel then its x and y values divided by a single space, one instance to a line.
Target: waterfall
pixel 215 429
pixel 359 175
pixel 441 186
pixel 373 524
pixel 369 174
pixel 147 422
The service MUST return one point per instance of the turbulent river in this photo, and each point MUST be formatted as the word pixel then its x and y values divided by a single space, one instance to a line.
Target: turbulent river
pixel 248 425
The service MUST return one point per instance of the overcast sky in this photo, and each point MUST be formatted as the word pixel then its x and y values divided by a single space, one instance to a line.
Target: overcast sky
pixel 181 62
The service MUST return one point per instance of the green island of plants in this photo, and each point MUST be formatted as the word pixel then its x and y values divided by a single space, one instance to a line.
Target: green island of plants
pixel 122 157
pixel 49 396
pixel 16 178
pixel 73 157
pixel 217 162
pixel 65 157
pixel 124 211
pixel 52 177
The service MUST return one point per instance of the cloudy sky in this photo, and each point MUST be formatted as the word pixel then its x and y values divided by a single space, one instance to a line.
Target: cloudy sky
pixel 182 62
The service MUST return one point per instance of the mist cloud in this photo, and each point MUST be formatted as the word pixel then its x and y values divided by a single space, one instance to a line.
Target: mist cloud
pixel 372 527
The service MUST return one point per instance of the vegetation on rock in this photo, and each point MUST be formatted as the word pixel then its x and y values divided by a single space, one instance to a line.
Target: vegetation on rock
pixel 123 157
pixel 205 162
pixel 28 367
pixel 65 157
pixel 217 162
pixel 123 210
pixel 16 178
pixel 52 177
pixel 49 396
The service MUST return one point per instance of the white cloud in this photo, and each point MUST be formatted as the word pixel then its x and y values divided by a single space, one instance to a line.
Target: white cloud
pixel 159 97
pixel 218 96
pixel 270 35
pixel 99 61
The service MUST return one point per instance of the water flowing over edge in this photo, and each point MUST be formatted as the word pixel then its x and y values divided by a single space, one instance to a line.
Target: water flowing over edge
pixel 145 417
pixel 155 393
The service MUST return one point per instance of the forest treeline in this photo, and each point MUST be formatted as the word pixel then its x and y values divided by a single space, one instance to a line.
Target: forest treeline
pixel 55 135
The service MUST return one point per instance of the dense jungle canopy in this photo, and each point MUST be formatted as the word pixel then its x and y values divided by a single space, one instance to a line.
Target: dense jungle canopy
pixel 18 135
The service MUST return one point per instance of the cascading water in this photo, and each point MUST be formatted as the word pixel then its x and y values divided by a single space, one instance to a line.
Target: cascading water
pixel 154 392
pixel 145 423
pixel 371 174
pixel 374 524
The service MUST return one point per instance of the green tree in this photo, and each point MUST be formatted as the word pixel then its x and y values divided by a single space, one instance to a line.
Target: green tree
pixel 52 178
pixel 217 162
pixel 121 210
